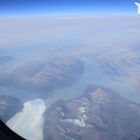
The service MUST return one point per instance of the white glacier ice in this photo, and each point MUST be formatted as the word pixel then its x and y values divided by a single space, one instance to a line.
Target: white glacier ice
pixel 80 123
pixel 82 109
pixel 29 122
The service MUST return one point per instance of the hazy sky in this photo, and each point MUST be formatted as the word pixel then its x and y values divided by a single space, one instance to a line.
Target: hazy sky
pixel 49 7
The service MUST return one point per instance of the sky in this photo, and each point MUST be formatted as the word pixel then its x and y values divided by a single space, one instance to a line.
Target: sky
pixel 54 7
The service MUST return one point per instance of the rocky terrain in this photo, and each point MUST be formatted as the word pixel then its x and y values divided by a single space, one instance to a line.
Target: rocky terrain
pixel 44 77
pixel 99 114
pixel 9 106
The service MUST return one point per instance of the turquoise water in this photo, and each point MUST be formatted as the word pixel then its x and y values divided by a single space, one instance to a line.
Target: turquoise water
pixel 23 95
pixel 93 74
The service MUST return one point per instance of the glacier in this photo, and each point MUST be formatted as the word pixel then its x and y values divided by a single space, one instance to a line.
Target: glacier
pixel 29 122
